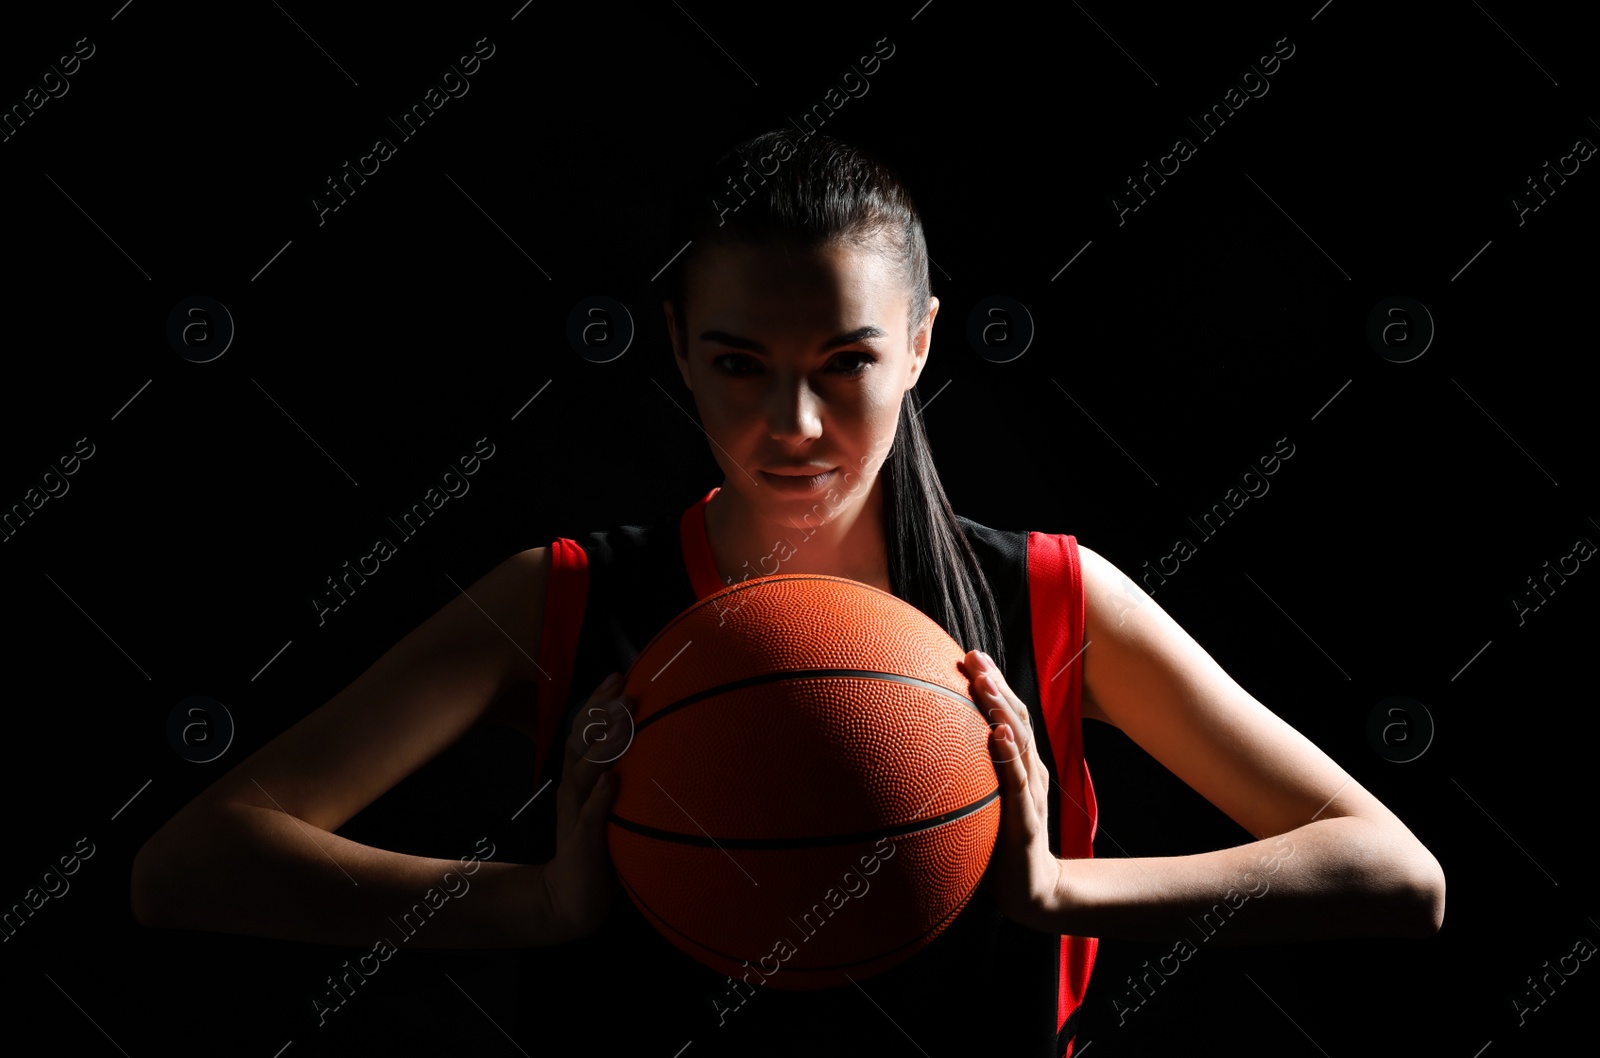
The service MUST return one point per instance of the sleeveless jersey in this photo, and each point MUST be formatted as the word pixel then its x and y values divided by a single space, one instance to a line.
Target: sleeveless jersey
pixel 985 983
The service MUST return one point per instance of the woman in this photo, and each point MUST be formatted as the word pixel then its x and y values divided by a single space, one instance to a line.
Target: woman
pixel 801 318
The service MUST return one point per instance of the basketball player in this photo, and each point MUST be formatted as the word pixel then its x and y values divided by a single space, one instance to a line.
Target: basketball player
pixel 801 319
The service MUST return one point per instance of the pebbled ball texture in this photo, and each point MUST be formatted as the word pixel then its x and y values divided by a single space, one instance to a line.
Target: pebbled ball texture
pixel 808 783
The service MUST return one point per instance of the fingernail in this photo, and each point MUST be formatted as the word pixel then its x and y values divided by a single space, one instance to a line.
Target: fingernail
pixel 613 681
pixel 988 662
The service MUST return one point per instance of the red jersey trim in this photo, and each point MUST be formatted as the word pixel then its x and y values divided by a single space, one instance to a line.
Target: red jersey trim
pixel 1057 609
pixel 566 597
pixel 697 558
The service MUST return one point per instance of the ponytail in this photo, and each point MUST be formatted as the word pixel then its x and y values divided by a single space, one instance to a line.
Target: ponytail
pixel 931 563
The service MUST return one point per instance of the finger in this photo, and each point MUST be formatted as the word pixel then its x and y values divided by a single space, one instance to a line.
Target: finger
pixel 991 683
pixel 1018 812
pixel 597 723
pixel 1001 711
pixel 1018 708
pixel 592 819
pixel 577 786
pixel 609 733
pixel 1039 773
pixel 1002 706
pixel 1009 770
pixel 601 730
pixel 582 770
pixel 1009 763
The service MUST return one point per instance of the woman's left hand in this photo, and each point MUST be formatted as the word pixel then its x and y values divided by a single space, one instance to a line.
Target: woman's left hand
pixel 1024 876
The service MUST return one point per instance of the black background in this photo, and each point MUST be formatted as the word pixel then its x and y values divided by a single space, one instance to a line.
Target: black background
pixel 1177 348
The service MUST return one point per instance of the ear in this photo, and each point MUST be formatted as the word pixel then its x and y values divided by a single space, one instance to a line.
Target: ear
pixel 675 332
pixel 922 343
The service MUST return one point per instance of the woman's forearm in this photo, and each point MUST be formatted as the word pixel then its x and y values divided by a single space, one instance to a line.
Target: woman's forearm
pixel 1336 877
pixel 257 871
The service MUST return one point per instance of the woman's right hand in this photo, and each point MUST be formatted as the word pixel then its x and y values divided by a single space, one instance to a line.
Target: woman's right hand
pixel 578 882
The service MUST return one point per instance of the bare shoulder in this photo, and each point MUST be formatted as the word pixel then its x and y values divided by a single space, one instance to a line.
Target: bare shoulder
pixel 1110 598
pixel 525 572
pixel 1138 653
pixel 517 589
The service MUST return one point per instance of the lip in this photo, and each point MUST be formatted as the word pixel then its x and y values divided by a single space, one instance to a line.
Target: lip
pixel 799 479
pixel 802 470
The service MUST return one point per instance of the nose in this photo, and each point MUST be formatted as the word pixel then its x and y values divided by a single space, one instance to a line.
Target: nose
pixel 794 411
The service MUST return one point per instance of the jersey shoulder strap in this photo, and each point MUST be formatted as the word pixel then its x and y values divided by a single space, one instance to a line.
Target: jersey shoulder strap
pixel 566 596
pixel 607 593
pixel 1056 599
pixel 1057 609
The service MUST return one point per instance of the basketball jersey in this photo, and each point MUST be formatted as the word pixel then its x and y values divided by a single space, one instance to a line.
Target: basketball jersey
pixel 984 983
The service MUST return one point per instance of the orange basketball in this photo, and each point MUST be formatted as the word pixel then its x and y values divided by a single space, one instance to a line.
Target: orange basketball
pixel 808 797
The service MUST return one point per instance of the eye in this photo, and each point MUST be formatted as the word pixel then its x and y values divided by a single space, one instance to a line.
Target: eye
pixel 851 364
pixel 866 360
pixel 737 363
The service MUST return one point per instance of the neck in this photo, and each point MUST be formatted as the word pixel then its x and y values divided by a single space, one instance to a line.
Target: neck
pixel 837 533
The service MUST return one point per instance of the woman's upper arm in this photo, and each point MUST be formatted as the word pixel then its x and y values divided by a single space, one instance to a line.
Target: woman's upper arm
pixel 1145 675
pixel 471 662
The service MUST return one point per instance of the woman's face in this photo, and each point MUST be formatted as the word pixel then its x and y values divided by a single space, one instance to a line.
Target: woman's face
pixel 798 362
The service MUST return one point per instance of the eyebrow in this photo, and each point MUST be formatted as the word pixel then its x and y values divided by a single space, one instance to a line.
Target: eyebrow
pixel 860 334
